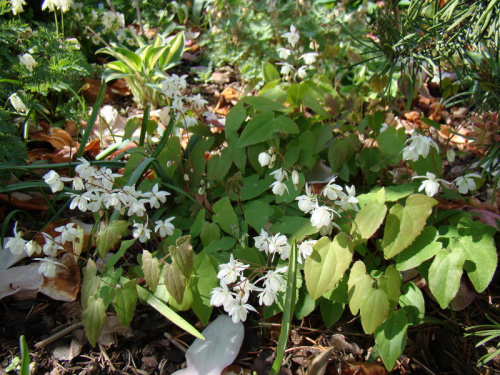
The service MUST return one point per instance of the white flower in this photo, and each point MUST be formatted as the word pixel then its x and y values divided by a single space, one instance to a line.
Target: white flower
pixel 278 244
pixel 308 201
pixel 302 72
pixel 198 102
pixel 286 69
pixel 309 58
pixel 331 190
pixel 221 296
pixel 64 5
pixel 305 249
pixel 48 267
pixel 141 232
pixel 279 188
pixel 32 247
pixel 121 36
pixel 430 185
pixel 292 36
pixel 50 247
pixel 68 232
pixel 322 216
pixel 239 310
pixel 267 297
pixel 17 6
pixel 279 174
pixel 156 196
pixel 229 272
pixel 53 179
pixel 50 4
pixel 349 201
pixel 85 170
pixel 466 183
pixel 17 103
pixel 16 244
pixel 284 53
pixel 264 159
pixel 136 207
pixel 274 280
pixel 80 201
pixel 107 19
pixel 450 155
pixel 419 146
pixel 295 178
pixel 262 241
pixel 165 227
pixel 96 39
pixel 28 61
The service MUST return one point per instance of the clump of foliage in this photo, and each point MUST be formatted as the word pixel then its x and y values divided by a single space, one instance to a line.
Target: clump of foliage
pixel 12 149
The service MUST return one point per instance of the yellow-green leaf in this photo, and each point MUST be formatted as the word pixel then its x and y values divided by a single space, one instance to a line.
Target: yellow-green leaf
pixel 110 235
pixel 94 317
pixel 125 301
pixel 374 310
pixel 151 268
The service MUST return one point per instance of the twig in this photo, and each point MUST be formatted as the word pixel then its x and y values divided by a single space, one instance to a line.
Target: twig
pixel 54 337
pixel 106 357
pixel 175 341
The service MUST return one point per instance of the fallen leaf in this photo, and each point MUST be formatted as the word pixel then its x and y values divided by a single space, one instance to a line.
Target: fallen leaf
pixel 19 279
pixel 339 342
pixel 65 285
pixel 120 87
pixel 25 201
pixel 57 137
pixel 93 148
pixel 91 88
pixel 361 368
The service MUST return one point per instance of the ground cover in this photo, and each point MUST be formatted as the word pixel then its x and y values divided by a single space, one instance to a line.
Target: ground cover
pixel 323 175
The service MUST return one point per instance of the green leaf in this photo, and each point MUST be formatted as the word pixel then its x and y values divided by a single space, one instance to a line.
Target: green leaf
pixel 125 301
pixel 262 103
pixel 444 275
pixel 374 310
pixel 270 72
pixel 225 216
pixel 219 165
pixel 424 247
pixel 253 186
pixel 330 311
pixel 167 312
pixel 390 338
pixel 174 281
pixel 195 229
pixel 391 143
pixel 412 302
pixel 340 151
pixel 257 214
pixel 368 220
pixel 263 127
pixel 390 283
pixel 94 317
pixel 327 264
pixel 90 284
pixel 477 241
pixel 404 224
pixel 110 235
pixel 235 118
pixel 359 286
pixel 305 304
pixel 183 255
pixel 151 268
pixel 203 283
pixel 210 232
pixel 175 51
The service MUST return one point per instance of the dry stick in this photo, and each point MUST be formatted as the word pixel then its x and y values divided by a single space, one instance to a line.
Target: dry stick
pixel 54 337
pixel 106 357
pixel 139 18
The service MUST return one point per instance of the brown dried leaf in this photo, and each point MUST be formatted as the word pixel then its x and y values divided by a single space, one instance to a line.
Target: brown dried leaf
pixel 57 137
pixel 66 284
pixel 91 91
pixel 25 201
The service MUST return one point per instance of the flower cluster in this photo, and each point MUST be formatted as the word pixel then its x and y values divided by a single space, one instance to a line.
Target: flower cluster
pixel 52 5
pixel 309 58
pixel 51 248
pixel 173 87
pixel 234 290
pixel 97 192
pixel 322 216
pixel 28 61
